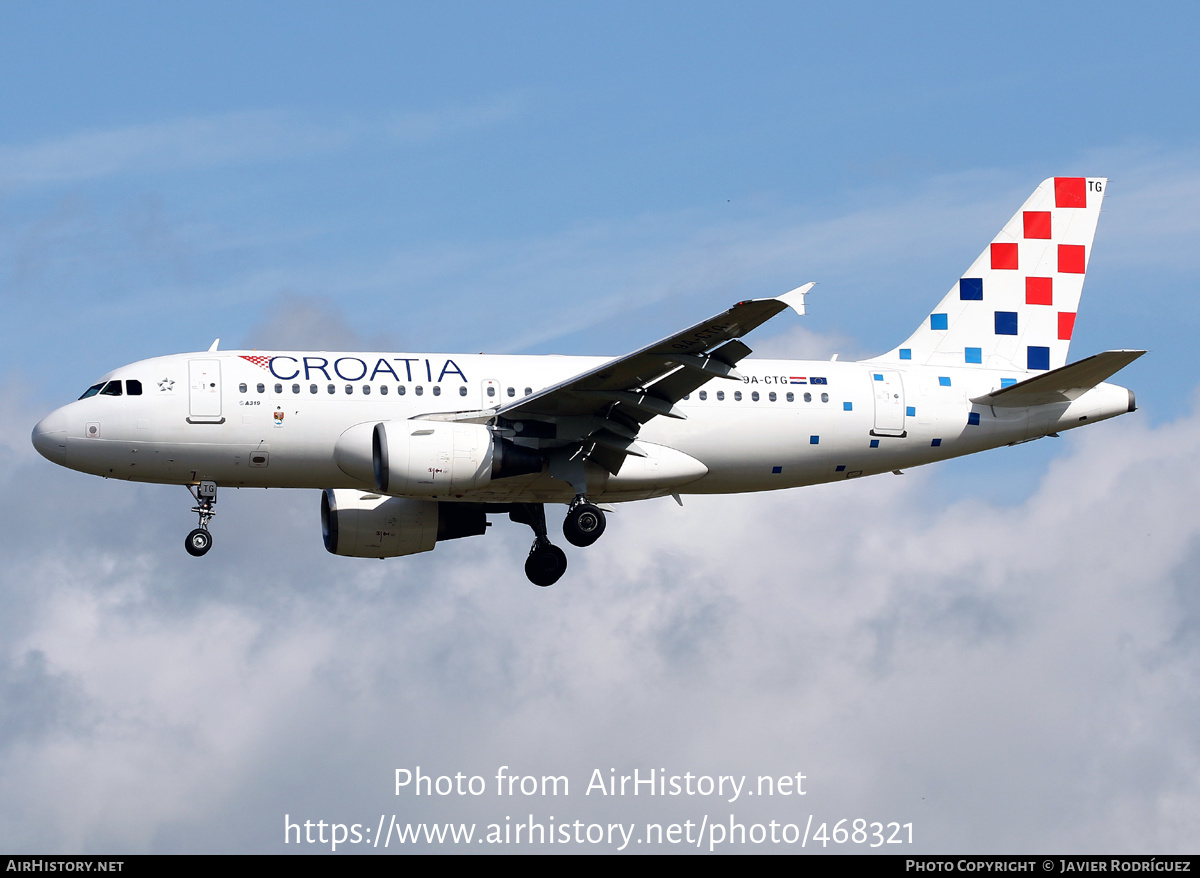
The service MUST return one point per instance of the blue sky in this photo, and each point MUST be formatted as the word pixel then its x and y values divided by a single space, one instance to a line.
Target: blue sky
pixel 570 178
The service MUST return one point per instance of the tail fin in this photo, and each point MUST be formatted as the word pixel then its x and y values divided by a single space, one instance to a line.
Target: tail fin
pixel 1015 307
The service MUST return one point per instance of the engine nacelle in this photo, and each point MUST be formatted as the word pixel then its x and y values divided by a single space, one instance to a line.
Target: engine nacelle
pixel 419 458
pixel 431 458
pixel 370 526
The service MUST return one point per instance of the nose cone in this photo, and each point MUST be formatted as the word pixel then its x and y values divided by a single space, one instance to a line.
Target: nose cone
pixel 50 436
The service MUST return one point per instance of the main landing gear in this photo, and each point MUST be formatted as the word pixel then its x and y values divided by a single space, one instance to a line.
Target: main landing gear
pixel 584 523
pixel 199 541
pixel 547 562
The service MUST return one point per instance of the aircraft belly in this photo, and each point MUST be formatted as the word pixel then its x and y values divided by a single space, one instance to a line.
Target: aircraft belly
pixel 758 448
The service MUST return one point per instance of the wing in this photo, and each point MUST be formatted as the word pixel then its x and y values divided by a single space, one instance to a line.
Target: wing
pixel 601 411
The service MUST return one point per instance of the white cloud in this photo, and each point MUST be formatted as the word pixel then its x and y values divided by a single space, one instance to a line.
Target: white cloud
pixel 249 136
pixel 420 127
pixel 1007 677
pixel 166 146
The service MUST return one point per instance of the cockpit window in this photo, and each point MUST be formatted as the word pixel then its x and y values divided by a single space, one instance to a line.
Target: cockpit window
pixel 92 391
pixel 112 388
pixel 133 387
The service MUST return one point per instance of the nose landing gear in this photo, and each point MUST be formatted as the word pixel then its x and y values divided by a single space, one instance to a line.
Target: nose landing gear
pixel 199 541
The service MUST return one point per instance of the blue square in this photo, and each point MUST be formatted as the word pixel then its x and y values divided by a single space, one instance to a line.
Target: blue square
pixel 971 288
pixel 973 419
pixel 874 443
pixel 911 411
pixel 974 355
pixel 938 321
pixel 936 443
pixel 1006 323
pixel 943 381
pixel 840 469
pixel 1039 358
pixel 877 377
pixel 906 353
pixel 847 406
pixel 814 440
pixel 1007 382
pixel 776 470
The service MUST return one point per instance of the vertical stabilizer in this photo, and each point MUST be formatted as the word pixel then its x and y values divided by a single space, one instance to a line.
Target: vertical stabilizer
pixel 1015 307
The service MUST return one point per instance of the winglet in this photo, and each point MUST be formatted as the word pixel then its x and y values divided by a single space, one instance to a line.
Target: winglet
pixel 795 298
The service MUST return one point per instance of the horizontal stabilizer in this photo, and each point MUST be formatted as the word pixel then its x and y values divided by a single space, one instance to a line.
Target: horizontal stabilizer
pixel 1064 384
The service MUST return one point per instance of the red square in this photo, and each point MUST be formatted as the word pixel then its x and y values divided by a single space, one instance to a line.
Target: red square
pixel 1039 291
pixel 1070 192
pixel 1066 324
pixel 1037 223
pixel 1004 256
pixel 1070 258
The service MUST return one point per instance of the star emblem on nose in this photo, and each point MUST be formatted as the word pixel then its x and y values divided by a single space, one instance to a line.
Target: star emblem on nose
pixel 166 384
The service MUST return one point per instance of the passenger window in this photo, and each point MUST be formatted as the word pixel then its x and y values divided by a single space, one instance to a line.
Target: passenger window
pixel 437 390
pixel 419 389
pixel 262 388
pixel 462 391
pixel 295 388
pixel 703 395
pixel 512 391
pixel 312 388
pixel 349 389
pixel 721 394
pixel 737 395
pixel 528 390
pixel 242 388
pixel 133 387
pixel 92 391
pixel 791 397
pixel 491 391
pixel 687 396
pixel 754 396
pixel 331 389
pixel 400 389
pixel 279 388
pixel 383 390
pixel 824 397
pixel 808 397
pixel 366 390
pixel 112 388
pixel 772 396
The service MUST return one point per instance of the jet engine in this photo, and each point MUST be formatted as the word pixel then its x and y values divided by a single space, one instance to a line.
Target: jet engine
pixel 370 526
pixel 421 458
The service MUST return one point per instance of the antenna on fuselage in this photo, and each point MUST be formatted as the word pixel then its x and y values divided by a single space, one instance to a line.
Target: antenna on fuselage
pixel 213 346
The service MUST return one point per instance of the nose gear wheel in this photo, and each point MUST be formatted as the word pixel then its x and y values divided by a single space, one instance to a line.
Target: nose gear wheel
pixel 199 541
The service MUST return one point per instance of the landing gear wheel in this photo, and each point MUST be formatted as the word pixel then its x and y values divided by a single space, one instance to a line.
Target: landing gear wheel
pixel 198 542
pixel 583 525
pixel 546 564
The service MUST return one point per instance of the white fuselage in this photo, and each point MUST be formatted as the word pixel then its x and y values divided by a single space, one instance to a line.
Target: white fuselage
pixel 274 419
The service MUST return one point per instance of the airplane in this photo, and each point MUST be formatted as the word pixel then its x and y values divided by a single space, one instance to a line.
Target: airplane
pixel 412 449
